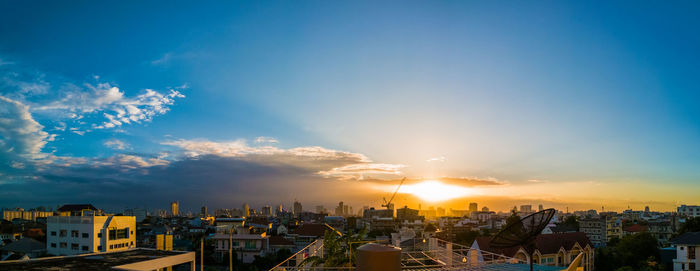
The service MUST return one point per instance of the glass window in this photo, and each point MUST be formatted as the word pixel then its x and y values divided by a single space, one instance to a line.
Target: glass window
pixel 99 248
pixel 85 248
pixel 250 244
pixel 53 244
pixel 86 235
pixel 99 235
pixel 74 246
pixel 62 233
pixel 74 234
pixel 112 234
pixel 63 245
pixel 53 233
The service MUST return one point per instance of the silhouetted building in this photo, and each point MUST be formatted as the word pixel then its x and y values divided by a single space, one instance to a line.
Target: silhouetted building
pixel 175 208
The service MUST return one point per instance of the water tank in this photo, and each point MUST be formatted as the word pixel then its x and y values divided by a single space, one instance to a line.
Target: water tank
pixel 378 257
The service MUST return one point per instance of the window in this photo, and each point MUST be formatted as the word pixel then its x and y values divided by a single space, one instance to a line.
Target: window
pixel 112 234
pixel 111 246
pixel 691 254
pixel 74 234
pixel 85 248
pixel 86 235
pixel 63 245
pixel 118 234
pixel 53 244
pixel 74 246
pixel 63 233
pixel 99 235
pixel 250 244
pixel 132 243
pixel 99 248
pixel 691 266
pixel 53 233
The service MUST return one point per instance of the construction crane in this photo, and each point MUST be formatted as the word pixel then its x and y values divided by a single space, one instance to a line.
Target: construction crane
pixel 387 204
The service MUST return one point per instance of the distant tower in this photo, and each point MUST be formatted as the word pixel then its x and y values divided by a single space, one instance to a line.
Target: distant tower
pixel 267 210
pixel 473 207
pixel 646 209
pixel 175 208
pixel 246 210
pixel 485 209
pixel 204 211
pixel 540 208
pixel 297 208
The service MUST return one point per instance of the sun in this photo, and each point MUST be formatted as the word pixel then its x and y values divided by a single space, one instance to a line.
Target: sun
pixel 434 191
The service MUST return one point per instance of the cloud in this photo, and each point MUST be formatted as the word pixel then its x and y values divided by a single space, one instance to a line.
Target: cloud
pixel 461 181
pixel 436 159
pixel 359 170
pixel 537 181
pixel 20 135
pixel 116 107
pixel 116 144
pixel 265 139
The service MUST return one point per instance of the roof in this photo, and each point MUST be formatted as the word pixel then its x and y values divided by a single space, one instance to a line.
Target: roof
pixel 317 230
pixel 76 207
pixel 688 238
pixel 239 236
pixel 545 243
pixel 94 261
pixel 635 228
pixel 280 241
pixel 25 245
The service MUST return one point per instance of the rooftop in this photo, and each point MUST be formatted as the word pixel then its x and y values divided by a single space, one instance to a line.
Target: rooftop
pixel 94 261
pixel 688 238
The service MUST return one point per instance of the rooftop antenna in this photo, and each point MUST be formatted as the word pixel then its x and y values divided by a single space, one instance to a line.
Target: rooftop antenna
pixel 524 232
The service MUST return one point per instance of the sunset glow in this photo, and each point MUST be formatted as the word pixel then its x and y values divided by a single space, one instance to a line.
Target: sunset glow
pixel 435 191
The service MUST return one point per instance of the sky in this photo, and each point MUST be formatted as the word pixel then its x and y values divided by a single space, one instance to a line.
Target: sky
pixel 572 104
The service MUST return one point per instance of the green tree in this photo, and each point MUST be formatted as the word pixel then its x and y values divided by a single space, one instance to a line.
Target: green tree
pixel 571 221
pixel 430 228
pixel 338 251
pixel 692 224
pixel 466 237
pixel 633 252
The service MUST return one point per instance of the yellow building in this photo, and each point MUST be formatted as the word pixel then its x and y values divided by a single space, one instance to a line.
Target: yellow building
pixel 9 215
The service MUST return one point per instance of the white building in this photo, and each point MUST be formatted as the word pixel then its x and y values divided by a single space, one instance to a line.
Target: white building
pixel 246 245
pixel 71 235
pixel 689 210
pixel 687 252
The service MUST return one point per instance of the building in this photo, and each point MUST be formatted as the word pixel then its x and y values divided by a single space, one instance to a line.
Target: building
pixel 246 245
pixel 408 214
pixel 687 251
pixel 267 210
pixel 613 228
pixel 131 259
pixel 634 228
pixel 175 208
pixel 297 208
pixel 526 208
pixel 20 213
pixel 24 247
pixel 689 210
pixel 595 229
pixel 71 235
pixel 473 207
pixel 556 249
pixel 78 210
pixel 204 212
pixel 246 210
pixel 340 210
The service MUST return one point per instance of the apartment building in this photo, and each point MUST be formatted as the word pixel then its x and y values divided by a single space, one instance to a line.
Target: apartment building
pixel 687 252
pixel 72 235
pixel 20 213
pixel 595 229
pixel 689 210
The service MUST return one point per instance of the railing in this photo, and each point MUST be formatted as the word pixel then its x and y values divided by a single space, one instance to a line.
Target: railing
pixel 432 254
pixel 315 248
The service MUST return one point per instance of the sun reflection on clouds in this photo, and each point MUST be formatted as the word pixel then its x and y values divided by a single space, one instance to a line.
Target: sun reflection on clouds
pixel 435 191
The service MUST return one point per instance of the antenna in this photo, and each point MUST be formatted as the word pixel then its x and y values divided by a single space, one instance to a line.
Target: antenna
pixel 524 232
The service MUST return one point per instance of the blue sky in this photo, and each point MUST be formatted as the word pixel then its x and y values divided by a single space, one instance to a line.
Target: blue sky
pixel 522 93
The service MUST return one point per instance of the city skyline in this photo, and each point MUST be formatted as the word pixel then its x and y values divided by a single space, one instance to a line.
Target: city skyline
pixel 564 104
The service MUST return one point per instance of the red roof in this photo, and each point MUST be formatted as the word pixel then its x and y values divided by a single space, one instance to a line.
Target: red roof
pixel 545 243
pixel 317 230
pixel 636 228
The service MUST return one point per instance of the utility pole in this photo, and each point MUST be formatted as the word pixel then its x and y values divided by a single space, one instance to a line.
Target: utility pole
pixel 201 255
pixel 230 249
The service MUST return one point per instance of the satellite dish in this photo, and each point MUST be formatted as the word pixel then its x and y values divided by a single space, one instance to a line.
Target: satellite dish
pixel 524 232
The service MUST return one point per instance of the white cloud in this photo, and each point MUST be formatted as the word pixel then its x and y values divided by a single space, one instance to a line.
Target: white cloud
pixel 20 134
pixel 116 107
pixel 266 140
pixel 364 168
pixel 132 161
pixel 436 159
pixel 116 144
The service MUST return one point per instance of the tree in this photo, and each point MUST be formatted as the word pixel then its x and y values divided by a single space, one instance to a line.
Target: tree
pixel 571 221
pixel 338 251
pixel 692 224
pixel 633 252
pixel 466 237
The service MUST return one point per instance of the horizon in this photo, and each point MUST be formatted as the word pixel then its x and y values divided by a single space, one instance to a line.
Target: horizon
pixel 565 104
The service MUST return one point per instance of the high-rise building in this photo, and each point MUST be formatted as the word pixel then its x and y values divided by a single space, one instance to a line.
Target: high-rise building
pixel 646 209
pixel 246 210
pixel 139 213
pixel 473 207
pixel 320 209
pixel 71 235
pixel 540 208
pixel 267 210
pixel 526 208
pixel 204 211
pixel 297 208
pixel 340 211
pixel 175 208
